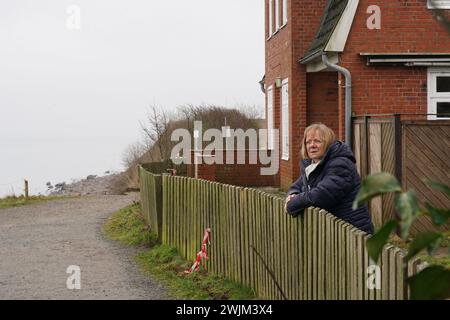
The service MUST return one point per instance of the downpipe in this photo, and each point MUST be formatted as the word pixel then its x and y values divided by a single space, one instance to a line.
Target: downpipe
pixel 348 96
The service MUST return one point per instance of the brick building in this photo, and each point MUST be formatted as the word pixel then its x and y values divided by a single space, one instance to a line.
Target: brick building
pixel 396 51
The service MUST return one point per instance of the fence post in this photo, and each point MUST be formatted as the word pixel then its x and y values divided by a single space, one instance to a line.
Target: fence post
pixel 159 203
pixel 398 156
pixel 365 149
pixel 26 189
pixel 398 147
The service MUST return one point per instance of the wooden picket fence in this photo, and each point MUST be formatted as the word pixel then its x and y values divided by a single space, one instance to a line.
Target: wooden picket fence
pixel 253 242
pixel 150 186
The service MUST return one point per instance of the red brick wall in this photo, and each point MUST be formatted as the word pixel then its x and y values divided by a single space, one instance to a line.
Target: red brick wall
pixel 248 175
pixel 278 65
pixel 283 50
pixel 406 26
pixel 323 99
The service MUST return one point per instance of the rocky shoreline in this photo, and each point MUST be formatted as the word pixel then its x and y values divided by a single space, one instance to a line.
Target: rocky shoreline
pixel 92 185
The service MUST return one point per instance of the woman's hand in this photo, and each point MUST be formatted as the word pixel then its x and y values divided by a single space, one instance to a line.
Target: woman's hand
pixel 288 198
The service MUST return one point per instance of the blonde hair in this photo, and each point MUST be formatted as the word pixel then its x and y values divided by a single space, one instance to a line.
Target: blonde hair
pixel 326 134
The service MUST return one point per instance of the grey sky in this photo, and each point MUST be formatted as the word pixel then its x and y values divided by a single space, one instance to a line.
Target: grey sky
pixel 100 80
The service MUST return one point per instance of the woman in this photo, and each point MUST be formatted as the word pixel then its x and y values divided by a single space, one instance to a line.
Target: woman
pixel 328 179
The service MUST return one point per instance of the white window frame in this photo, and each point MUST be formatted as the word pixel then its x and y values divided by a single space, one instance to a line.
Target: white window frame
pixel 285 13
pixel 438 4
pixel 270 18
pixel 277 15
pixel 433 96
pixel 285 119
pixel 270 119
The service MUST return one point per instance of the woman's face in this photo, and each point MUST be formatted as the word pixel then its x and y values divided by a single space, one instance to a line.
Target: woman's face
pixel 315 145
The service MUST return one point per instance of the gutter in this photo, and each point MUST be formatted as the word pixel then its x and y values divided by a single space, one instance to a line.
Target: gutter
pixel 348 96
pixel 311 57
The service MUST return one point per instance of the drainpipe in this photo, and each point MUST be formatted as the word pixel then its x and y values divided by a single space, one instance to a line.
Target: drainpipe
pixel 348 96
pixel 262 84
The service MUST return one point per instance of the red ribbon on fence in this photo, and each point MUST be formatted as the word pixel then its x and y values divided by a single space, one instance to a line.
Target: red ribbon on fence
pixel 202 253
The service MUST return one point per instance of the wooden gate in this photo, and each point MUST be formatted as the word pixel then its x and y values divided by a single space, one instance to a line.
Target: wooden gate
pixel 426 156
pixel 412 150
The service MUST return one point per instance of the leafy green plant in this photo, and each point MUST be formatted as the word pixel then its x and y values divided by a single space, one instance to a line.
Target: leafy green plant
pixel 433 282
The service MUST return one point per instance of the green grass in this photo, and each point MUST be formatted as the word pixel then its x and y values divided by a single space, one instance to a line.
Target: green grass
pixel 165 264
pixel 440 257
pixel 127 226
pixel 440 261
pixel 14 201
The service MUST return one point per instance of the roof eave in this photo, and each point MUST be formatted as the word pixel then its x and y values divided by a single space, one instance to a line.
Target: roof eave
pixel 311 57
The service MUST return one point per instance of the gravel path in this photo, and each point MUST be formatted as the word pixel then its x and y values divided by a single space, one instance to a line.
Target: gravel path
pixel 39 242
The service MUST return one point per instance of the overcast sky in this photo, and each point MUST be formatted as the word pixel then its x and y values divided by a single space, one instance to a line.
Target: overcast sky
pixel 100 80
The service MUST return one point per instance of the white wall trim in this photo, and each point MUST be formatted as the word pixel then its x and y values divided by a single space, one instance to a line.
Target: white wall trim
pixel 438 4
pixel 434 97
pixel 285 126
pixel 270 118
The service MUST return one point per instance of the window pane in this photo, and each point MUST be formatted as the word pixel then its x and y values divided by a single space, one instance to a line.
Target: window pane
pixel 270 18
pixel 277 14
pixel 443 84
pixel 285 12
pixel 443 110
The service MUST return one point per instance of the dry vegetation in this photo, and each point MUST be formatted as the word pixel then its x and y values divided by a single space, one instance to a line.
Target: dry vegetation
pixel 157 129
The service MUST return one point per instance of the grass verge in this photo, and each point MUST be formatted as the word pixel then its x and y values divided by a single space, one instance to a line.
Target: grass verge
pixel 15 201
pixel 165 264
pixel 441 255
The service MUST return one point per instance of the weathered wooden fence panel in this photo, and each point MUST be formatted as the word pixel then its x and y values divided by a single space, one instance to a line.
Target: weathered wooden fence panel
pixel 254 242
pixel 426 154
pixel 413 151
pixel 151 200
pixel 374 149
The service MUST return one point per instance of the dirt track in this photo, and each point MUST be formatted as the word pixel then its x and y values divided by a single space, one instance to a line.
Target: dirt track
pixel 39 242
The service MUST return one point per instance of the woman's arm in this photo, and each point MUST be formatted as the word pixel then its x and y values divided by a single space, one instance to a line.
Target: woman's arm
pixel 336 183
pixel 293 191
pixel 296 187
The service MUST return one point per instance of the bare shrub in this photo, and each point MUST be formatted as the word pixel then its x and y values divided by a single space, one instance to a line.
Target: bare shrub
pixel 156 146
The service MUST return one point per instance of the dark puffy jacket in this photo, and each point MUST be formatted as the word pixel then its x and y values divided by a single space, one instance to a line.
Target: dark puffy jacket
pixel 332 186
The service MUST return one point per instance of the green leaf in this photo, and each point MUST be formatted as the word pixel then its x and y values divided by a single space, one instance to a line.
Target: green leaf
pixel 408 209
pixel 438 216
pixel 421 241
pixel 440 186
pixel 376 242
pixel 433 246
pixel 430 284
pixel 375 185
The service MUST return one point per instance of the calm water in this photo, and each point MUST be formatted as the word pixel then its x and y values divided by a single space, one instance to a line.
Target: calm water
pixel 42 160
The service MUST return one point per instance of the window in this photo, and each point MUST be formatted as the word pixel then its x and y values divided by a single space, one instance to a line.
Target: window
pixel 438 4
pixel 269 114
pixel 285 16
pixel 270 18
pixel 285 120
pixel 277 14
pixel 439 93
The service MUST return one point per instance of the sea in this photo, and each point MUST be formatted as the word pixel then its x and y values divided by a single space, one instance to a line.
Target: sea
pixel 56 159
